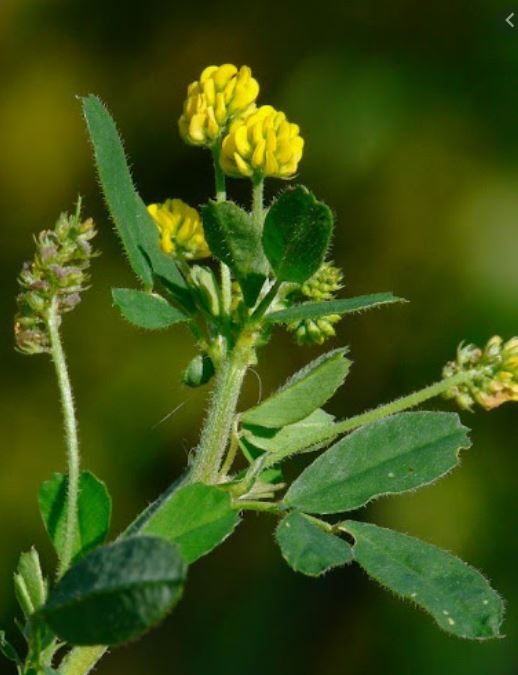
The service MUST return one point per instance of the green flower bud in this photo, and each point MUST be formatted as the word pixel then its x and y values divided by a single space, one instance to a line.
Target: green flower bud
pixel 199 371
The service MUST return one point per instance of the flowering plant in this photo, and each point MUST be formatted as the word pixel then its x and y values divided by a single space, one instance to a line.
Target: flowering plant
pixel 233 276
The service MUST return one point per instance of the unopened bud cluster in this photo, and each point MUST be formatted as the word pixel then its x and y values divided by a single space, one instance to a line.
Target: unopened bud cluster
pixel 323 285
pixel 53 280
pixel 494 372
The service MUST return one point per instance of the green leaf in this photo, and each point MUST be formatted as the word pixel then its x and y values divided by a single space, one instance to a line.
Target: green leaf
pixel 307 435
pixel 458 597
pixel 146 310
pixel 136 228
pixel 94 512
pixel 297 232
pixel 117 592
pixel 197 517
pixel 8 650
pixel 315 310
pixel 234 239
pixel 396 454
pixel 309 549
pixel 303 393
pixel 138 524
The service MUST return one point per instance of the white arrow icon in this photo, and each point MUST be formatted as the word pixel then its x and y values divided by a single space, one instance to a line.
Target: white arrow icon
pixel 509 21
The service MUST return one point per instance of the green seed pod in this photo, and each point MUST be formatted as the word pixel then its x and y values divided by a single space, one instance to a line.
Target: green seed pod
pixel 199 371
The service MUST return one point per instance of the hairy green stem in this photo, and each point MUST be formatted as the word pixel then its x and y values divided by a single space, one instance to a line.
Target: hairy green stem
pixel 221 190
pixel 218 424
pixel 400 404
pixel 257 202
pixel 72 443
pixel 221 195
pixel 266 302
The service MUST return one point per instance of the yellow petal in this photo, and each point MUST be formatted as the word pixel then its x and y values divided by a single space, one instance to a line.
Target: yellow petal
pixel 220 109
pixel 271 165
pixel 223 75
pixel 241 141
pixel 242 166
pixel 196 128
pixel 209 91
pixel 258 154
pixel 207 72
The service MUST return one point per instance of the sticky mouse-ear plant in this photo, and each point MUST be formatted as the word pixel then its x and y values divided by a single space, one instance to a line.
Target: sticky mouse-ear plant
pixel 233 275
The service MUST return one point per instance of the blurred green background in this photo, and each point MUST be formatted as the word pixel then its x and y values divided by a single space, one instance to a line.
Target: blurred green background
pixel 409 115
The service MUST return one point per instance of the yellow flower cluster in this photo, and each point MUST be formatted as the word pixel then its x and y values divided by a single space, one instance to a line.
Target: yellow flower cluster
pixel 181 230
pixel 221 94
pixel 220 113
pixel 262 144
pixel 495 374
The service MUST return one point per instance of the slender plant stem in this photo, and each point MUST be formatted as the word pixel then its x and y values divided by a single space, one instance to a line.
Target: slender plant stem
pixel 218 423
pixel 221 195
pixel 403 403
pixel 257 202
pixel 266 301
pixel 70 424
pixel 400 404
pixel 221 190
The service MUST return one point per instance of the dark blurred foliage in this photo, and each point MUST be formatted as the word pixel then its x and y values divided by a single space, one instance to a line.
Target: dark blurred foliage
pixel 409 115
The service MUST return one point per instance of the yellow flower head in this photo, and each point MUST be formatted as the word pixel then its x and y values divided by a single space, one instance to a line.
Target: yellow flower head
pixel 262 144
pixel 220 95
pixel 495 374
pixel 181 230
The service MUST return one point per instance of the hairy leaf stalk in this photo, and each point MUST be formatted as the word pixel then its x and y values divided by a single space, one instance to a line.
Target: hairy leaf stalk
pixel 404 403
